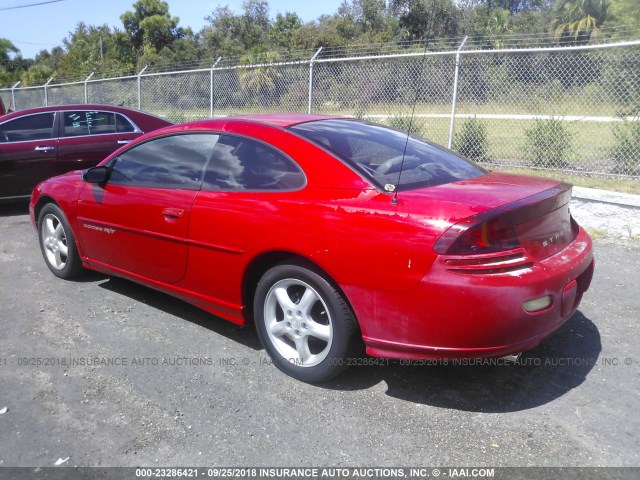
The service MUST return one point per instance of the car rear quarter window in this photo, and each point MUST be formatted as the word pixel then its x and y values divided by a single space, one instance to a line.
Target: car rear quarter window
pixel 38 126
pixel 240 163
pixel 123 125
pixel 175 161
pixel 79 123
pixel 387 157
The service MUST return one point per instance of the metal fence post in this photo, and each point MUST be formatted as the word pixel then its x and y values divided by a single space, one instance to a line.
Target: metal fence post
pixel 211 97
pixel 139 92
pixel 86 97
pixel 311 78
pixel 455 93
pixel 46 97
pixel 13 95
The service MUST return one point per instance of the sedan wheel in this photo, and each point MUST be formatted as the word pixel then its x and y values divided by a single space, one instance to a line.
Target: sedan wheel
pixel 304 323
pixel 57 243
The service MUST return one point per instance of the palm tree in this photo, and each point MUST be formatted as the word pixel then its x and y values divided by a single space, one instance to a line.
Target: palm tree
pixel 261 78
pixel 579 19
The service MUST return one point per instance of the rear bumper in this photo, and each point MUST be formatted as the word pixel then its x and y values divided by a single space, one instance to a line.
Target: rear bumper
pixel 460 315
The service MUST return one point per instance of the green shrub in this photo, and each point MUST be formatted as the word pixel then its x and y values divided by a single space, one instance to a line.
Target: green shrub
pixel 626 151
pixel 471 140
pixel 549 143
pixel 406 123
pixel 360 111
pixel 176 116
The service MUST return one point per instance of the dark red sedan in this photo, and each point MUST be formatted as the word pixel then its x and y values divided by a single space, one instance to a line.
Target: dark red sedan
pixel 43 142
pixel 329 234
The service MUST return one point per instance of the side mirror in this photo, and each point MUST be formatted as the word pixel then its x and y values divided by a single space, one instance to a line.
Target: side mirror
pixel 96 175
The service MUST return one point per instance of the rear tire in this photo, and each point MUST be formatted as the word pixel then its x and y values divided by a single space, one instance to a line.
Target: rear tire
pixel 57 243
pixel 304 323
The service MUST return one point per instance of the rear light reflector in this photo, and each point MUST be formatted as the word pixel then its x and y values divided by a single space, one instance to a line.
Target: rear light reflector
pixel 569 293
pixel 538 304
pixel 489 264
pixel 493 261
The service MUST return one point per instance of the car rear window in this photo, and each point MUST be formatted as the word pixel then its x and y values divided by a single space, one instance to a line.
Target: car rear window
pixel 378 152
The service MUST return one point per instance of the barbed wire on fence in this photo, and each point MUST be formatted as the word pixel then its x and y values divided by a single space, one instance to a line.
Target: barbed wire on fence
pixel 570 108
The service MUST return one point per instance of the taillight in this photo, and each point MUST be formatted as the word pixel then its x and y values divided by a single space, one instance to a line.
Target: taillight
pixel 491 236
pixel 479 234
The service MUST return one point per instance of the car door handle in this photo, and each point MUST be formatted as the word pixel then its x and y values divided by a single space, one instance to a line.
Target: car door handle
pixel 123 142
pixel 44 149
pixel 173 212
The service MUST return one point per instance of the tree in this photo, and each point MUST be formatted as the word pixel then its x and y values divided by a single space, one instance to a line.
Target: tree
pixel 366 15
pixel 11 63
pixel 255 23
pixel 6 49
pixel 578 20
pixel 624 12
pixel 223 35
pixel 36 75
pixel 283 30
pixel 263 82
pixel 229 34
pixel 426 19
pixel 513 6
pixel 150 25
pixel 92 49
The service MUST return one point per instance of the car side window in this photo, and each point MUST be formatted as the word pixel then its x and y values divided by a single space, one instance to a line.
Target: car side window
pixel 123 125
pixel 79 123
pixel 239 163
pixel 175 161
pixel 31 127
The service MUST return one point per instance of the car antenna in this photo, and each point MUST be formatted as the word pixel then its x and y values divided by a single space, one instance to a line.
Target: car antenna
pixel 396 187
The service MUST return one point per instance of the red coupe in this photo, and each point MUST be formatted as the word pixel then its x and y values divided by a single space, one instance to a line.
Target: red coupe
pixel 329 234
pixel 39 143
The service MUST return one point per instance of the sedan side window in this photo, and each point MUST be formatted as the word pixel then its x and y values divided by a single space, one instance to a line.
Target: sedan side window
pixel 239 163
pixel 32 127
pixel 175 161
pixel 88 123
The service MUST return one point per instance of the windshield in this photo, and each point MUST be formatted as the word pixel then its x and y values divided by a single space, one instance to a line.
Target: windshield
pixel 378 153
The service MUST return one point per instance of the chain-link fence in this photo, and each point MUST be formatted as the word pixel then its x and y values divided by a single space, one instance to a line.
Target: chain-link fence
pixel 565 108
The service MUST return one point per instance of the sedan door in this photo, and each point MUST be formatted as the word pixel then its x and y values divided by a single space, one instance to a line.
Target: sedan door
pixel 89 136
pixel 138 222
pixel 28 152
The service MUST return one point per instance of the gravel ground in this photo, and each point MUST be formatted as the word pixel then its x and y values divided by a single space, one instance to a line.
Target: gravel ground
pixel 186 388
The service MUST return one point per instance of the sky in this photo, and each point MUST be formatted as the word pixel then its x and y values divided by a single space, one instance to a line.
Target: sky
pixel 39 27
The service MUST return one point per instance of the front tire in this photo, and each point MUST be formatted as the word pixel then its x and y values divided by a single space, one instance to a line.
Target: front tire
pixel 57 243
pixel 304 323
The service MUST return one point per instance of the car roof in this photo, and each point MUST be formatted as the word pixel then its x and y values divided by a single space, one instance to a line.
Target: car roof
pixel 78 106
pixel 282 120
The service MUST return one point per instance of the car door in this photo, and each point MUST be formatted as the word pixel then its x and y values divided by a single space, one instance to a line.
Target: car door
pixel 243 182
pixel 138 221
pixel 89 136
pixel 27 153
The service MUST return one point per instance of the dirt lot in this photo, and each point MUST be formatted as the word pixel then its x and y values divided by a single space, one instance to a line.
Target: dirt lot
pixel 110 373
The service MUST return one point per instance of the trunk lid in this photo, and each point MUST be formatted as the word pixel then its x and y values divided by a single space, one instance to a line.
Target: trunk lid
pixel 500 212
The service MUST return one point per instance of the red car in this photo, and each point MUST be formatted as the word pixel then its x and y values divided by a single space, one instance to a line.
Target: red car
pixel 43 142
pixel 329 234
